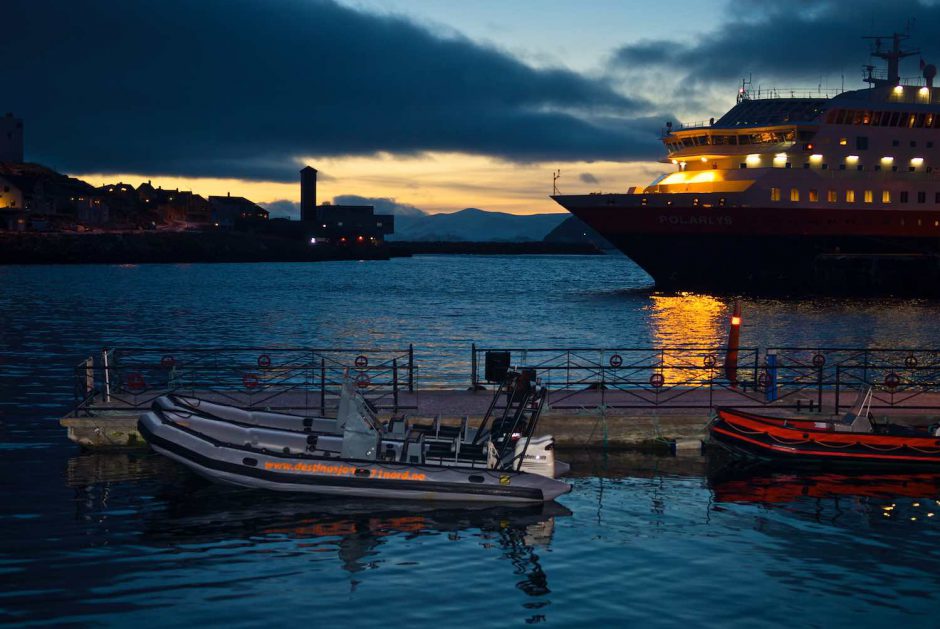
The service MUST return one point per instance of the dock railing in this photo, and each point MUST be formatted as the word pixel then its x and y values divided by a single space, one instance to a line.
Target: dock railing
pixel 812 379
pixel 253 377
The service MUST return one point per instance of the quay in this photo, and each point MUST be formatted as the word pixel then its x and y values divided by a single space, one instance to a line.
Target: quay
pixel 626 398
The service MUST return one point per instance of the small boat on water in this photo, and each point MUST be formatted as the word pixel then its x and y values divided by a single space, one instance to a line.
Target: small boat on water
pixel 356 455
pixel 854 440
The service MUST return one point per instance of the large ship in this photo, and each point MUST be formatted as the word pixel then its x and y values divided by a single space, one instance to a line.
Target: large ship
pixel 786 189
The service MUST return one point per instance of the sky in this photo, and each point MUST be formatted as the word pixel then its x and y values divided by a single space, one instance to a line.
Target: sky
pixel 431 104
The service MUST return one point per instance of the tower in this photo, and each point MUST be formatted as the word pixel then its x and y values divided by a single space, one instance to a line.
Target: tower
pixel 11 139
pixel 308 194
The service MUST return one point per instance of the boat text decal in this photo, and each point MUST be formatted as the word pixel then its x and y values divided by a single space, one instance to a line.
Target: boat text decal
pixel 694 220
pixel 339 470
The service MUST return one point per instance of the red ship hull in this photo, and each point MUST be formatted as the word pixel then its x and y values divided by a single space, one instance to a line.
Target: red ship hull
pixel 771 249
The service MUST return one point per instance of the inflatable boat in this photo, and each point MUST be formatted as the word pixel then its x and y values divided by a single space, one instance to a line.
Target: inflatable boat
pixel 359 457
pixel 853 440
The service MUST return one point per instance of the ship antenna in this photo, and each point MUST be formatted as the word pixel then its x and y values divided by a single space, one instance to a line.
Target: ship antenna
pixel 555 176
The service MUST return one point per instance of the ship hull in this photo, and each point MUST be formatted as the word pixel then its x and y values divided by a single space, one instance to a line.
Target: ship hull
pixel 772 250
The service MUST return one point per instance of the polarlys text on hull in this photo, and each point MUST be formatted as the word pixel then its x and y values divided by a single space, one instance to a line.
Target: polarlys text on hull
pixel 694 220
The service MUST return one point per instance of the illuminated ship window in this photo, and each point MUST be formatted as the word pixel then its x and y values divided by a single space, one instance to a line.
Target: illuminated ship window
pixel 831 196
pixel 843 141
pixel 869 196
pixel 794 194
pixel 886 196
pixel 775 194
pixel 814 195
pixel 850 196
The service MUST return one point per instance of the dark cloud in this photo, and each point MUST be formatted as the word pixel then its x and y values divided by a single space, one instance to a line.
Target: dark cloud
pixel 799 40
pixel 588 178
pixel 240 88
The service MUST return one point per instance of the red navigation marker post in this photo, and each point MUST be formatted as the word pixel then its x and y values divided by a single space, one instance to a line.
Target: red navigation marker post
pixel 734 338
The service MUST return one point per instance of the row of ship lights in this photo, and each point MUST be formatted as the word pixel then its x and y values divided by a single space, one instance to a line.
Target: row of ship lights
pixel 780 159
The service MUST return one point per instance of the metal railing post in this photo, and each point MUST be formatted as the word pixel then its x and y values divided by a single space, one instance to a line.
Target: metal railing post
pixel 107 374
pixel 474 380
pixel 395 383
pixel 838 379
pixel 819 386
pixel 323 385
pixel 411 368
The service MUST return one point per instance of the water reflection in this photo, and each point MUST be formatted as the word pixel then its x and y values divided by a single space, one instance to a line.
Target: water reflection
pixel 195 513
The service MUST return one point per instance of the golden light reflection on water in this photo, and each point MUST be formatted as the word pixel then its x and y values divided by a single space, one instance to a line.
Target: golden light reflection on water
pixel 687 320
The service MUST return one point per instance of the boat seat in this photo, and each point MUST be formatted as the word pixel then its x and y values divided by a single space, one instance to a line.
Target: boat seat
pixel 440 450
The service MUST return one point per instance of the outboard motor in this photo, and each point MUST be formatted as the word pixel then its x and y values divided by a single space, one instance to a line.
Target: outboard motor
pixel 539 455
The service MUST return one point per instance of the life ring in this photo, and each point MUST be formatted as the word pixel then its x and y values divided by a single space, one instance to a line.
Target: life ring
pixel 361 361
pixel 819 360
pixel 264 361
pixel 710 361
pixel 657 380
pixel 167 361
pixel 362 380
pixel 250 380
pixel 892 380
pixel 136 382
pixel 910 362
pixel 616 360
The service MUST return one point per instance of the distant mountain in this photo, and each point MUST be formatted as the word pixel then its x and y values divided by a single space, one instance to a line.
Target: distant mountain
pixel 574 230
pixel 475 225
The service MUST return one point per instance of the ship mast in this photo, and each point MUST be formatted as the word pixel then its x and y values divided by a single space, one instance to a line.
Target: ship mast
pixel 893 57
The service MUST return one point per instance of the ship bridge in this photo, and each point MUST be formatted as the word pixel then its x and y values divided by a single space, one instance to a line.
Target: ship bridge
pixel 767 125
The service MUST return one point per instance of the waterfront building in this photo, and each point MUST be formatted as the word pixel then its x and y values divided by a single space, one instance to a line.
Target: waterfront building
pixel 340 224
pixel 228 211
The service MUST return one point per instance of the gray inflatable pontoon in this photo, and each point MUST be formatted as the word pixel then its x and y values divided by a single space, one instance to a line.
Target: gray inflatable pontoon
pixel 359 457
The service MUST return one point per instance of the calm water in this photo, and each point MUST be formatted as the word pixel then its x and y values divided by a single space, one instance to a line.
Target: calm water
pixel 118 539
